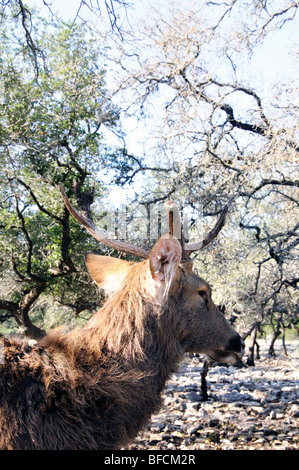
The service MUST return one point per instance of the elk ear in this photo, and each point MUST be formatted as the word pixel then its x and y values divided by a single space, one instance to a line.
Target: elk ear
pixel 106 271
pixel 164 258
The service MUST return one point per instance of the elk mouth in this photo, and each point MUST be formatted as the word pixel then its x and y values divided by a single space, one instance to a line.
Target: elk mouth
pixel 225 357
pixel 231 354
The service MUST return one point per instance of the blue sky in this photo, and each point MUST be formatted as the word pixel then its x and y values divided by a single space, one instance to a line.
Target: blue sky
pixel 270 62
pixel 270 59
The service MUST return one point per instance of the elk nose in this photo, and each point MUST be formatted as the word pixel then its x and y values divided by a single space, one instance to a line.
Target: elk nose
pixel 235 344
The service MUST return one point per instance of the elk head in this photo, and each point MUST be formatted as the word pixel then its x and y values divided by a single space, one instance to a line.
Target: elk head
pixel 199 325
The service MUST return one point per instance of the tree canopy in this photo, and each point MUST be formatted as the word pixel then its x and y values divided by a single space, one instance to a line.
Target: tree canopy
pixel 212 134
pixel 51 133
pixel 199 125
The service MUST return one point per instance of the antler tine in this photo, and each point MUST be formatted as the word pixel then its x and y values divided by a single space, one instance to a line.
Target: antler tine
pixel 199 244
pixel 175 230
pixel 175 227
pixel 101 235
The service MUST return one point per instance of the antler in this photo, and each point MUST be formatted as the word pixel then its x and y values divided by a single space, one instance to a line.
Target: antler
pixel 101 235
pixel 175 229
pixel 201 243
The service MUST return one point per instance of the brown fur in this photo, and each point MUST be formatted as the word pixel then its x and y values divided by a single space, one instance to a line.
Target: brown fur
pixel 95 388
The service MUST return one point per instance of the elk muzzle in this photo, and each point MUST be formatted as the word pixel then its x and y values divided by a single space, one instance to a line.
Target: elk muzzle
pixel 231 352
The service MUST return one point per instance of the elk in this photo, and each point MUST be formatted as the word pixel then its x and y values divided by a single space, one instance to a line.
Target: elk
pixel 96 387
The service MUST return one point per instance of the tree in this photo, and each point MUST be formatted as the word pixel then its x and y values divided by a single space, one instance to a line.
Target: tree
pixel 211 136
pixel 26 24
pixel 51 132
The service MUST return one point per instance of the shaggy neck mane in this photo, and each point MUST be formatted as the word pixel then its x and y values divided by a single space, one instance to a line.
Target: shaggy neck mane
pixel 126 337
pixel 123 325
pixel 130 323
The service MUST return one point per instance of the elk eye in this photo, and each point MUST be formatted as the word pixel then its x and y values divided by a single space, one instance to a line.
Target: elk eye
pixel 204 295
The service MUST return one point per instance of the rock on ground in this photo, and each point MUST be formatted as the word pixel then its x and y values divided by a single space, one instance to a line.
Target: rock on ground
pixel 248 408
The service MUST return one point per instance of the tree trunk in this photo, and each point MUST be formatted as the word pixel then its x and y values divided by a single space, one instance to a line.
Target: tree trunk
pixel 285 352
pixel 30 330
pixel 203 387
pixel 271 351
pixel 22 316
pixel 250 359
pixel 257 346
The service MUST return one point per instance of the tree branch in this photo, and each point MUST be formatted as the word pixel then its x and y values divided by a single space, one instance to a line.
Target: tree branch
pixel 9 306
pixel 39 205
pixel 266 182
pixel 28 241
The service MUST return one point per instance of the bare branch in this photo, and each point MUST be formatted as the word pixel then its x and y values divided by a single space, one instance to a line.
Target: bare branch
pixel 101 235
pixel 39 205
pixel 9 306
pixel 28 240
pixel 202 243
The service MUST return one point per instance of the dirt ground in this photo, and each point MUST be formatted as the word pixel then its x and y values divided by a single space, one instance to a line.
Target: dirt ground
pixel 248 408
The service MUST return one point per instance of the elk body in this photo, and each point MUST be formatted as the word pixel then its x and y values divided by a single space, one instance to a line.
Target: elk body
pixel 95 388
